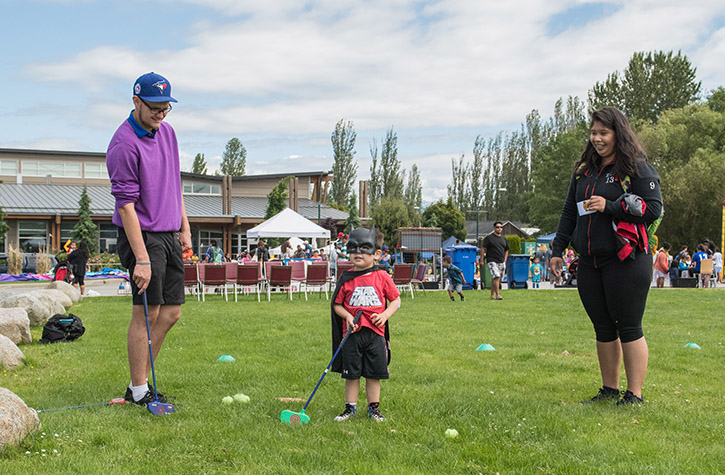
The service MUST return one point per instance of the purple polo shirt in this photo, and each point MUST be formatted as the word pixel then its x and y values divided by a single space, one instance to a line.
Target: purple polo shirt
pixel 144 169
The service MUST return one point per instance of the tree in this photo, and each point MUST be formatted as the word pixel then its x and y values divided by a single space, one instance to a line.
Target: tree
pixel 234 158
pixel 413 195
pixel 476 174
pixel 687 148
pixel 199 166
pixel 716 100
pixel 85 229
pixel 447 217
pixel 277 198
pixel 344 167
pixel 458 189
pixel 391 179
pixel 3 225
pixel 374 184
pixel 651 84
pixel 353 220
pixel 389 215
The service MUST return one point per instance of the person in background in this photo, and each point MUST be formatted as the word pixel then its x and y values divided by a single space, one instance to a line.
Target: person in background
pixel 536 272
pixel 385 258
pixel 695 267
pixel 717 264
pixel 615 266
pixel 261 253
pixel 496 250
pixel 456 279
pixel 662 265
pixel 79 260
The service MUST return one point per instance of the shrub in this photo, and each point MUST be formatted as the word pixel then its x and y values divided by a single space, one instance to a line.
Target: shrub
pixel 42 262
pixel 514 244
pixel 15 260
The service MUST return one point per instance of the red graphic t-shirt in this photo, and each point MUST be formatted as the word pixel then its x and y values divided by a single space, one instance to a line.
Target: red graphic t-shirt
pixel 367 293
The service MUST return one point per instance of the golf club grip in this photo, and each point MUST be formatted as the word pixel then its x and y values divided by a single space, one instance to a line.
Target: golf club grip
pixel 347 334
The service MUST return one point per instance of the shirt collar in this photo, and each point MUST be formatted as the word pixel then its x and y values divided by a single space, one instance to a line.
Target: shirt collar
pixel 140 131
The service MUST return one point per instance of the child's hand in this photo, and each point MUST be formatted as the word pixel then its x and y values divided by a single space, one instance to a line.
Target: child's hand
pixel 378 319
pixel 351 323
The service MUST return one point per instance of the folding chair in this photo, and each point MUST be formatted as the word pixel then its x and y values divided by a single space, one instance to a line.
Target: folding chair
pixel 298 272
pixel 247 277
pixel 281 277
pixel 214 275
pixel 317 277
pixel 419 276
pixel 402 274
pixel 191 279
pixel 342 266
pixel 705 278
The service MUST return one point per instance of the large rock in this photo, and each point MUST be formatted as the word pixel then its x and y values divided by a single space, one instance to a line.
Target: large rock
pixel 10 355
pixel 17 420
pixel 15 324
pixel 66 288
pixel 48 300
pixel 38 312
pixel 59 297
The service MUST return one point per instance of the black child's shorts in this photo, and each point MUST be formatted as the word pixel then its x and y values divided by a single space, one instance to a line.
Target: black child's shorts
pixel 167 267
pixel 365 354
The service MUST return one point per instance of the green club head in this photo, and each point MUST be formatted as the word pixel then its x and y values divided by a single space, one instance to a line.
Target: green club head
pixel 291 417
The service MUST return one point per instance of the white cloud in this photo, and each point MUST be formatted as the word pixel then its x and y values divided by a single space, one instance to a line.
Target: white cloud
pixel 291 69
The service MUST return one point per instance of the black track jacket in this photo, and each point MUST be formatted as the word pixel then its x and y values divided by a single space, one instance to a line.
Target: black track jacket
pixel 593 235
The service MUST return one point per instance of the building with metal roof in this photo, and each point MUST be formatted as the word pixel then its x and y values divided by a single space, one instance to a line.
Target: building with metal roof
pixel 40 191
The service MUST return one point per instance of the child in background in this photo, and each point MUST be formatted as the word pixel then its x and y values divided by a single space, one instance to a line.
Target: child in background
pixel 455 279
pixel 535 271
pixel 366 352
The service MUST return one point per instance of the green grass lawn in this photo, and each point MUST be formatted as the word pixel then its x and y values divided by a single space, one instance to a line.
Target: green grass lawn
pixel 516 409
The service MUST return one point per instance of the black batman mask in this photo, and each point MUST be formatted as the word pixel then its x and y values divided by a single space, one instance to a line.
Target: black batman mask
pixel 361 241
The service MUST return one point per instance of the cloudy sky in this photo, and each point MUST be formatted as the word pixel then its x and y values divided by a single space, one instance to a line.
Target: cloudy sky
pixel 279 74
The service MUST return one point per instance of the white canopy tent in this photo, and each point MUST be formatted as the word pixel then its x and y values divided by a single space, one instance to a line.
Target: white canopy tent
pixel 287 223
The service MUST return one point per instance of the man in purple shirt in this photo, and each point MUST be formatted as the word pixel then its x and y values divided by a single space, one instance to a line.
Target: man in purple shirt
pixel 143 165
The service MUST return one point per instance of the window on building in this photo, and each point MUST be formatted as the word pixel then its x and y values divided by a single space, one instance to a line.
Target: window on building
pixel 32 235
pixel 193 188
pixel 96 170
pixel 239 243
pixel 66 231
pixel 58 169
pixel 107 237
pixel 8 167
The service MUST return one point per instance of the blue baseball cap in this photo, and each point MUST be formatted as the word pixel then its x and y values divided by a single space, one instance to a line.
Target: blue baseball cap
pixel 153 87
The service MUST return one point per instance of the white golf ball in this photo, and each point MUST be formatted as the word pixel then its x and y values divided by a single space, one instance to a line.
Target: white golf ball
pixel 451 433
pixel 227 400
pixel 242 398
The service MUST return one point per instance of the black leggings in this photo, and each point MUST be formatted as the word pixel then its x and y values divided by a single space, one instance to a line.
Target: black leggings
pixel 615 295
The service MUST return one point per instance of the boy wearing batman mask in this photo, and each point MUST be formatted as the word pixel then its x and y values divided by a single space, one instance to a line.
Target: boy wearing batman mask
pixel 367 351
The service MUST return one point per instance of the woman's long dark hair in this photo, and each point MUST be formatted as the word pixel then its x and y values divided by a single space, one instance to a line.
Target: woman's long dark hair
pixel 629 153
pixel 83 250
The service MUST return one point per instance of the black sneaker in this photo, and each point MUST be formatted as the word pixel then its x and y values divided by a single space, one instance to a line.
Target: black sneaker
pixel 348 413
pixel 374 413
pixel 129 395
pixel 146 399
pixel 463 299
pixel 629 399
pixel 605 393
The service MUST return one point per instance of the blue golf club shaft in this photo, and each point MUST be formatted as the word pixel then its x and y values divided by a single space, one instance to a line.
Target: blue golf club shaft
pixel 151 353
pixel 347 334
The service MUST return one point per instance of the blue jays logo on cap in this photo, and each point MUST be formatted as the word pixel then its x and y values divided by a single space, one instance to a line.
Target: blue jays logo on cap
pixel 153 87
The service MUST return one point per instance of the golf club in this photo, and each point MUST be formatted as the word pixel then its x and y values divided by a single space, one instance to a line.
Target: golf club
pixel 156 407
pixel 291 417
pixel 118 400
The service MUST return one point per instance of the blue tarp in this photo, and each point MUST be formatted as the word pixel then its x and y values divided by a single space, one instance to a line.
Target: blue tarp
pixel 546 239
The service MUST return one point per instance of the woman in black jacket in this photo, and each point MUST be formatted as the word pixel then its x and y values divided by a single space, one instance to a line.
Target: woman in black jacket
pixel 613 196
pixel 79 260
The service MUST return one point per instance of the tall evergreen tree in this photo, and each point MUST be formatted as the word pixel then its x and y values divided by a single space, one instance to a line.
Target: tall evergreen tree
pixel 458 189
pixel 277 198
pixel 199 166
pixel 413 195
pixel 391 178
pixel 234 158
pixel 344 167
pixel 651 84
pixel 353 219
pixel 85 230
pixel 375 183
pixel 3 225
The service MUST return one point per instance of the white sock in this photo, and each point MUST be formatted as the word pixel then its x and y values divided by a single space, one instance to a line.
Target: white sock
pixel 139 391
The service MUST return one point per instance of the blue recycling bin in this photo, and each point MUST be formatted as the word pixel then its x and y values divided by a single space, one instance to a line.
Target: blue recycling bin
pixel 517 271
pixel 463 256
